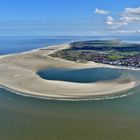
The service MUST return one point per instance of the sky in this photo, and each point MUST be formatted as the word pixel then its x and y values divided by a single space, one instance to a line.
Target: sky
pixel 69 17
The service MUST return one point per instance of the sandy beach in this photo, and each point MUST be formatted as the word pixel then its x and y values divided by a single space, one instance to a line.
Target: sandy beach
pixel 18 73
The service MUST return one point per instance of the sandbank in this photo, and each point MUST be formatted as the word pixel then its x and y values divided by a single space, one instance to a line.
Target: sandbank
pixel 18 73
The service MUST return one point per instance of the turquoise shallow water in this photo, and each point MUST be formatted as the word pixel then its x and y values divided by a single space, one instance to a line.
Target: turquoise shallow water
pixel 24 118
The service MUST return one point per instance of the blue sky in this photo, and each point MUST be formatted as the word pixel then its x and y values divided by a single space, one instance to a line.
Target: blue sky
pixel 73 17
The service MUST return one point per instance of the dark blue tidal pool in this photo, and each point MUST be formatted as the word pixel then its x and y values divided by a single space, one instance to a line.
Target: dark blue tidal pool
pixel 88 75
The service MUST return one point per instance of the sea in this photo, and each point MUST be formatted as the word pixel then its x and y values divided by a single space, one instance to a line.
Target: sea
pixel 28 118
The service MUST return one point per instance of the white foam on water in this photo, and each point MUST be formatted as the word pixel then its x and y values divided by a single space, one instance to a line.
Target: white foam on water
pixel 69 99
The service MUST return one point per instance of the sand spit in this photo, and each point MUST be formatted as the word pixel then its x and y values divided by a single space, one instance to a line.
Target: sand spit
pixel 18 73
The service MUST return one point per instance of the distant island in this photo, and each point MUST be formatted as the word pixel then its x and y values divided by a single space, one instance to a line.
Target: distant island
pixel 113 52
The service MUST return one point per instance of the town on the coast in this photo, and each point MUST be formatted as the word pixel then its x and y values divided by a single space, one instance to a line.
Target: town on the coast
pixel 113 52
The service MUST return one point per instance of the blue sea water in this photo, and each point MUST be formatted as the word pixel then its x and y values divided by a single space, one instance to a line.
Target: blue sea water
pixel 14 44
pixel 10 45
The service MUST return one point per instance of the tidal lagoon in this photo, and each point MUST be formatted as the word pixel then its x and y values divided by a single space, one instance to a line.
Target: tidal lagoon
pixel 89 75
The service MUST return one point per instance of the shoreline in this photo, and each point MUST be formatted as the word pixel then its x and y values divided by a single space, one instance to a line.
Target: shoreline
pixel 29 62
pixel 63 46
pixel 108 97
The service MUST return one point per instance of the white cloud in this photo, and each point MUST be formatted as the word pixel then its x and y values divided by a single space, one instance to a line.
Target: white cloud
pixel 115 23
pixel 129 19
pixel 109 20
pixel 101 11
pixel 132 11
pixel 129 15
pixel 126 21
pixel 122 21
pixel 127 31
